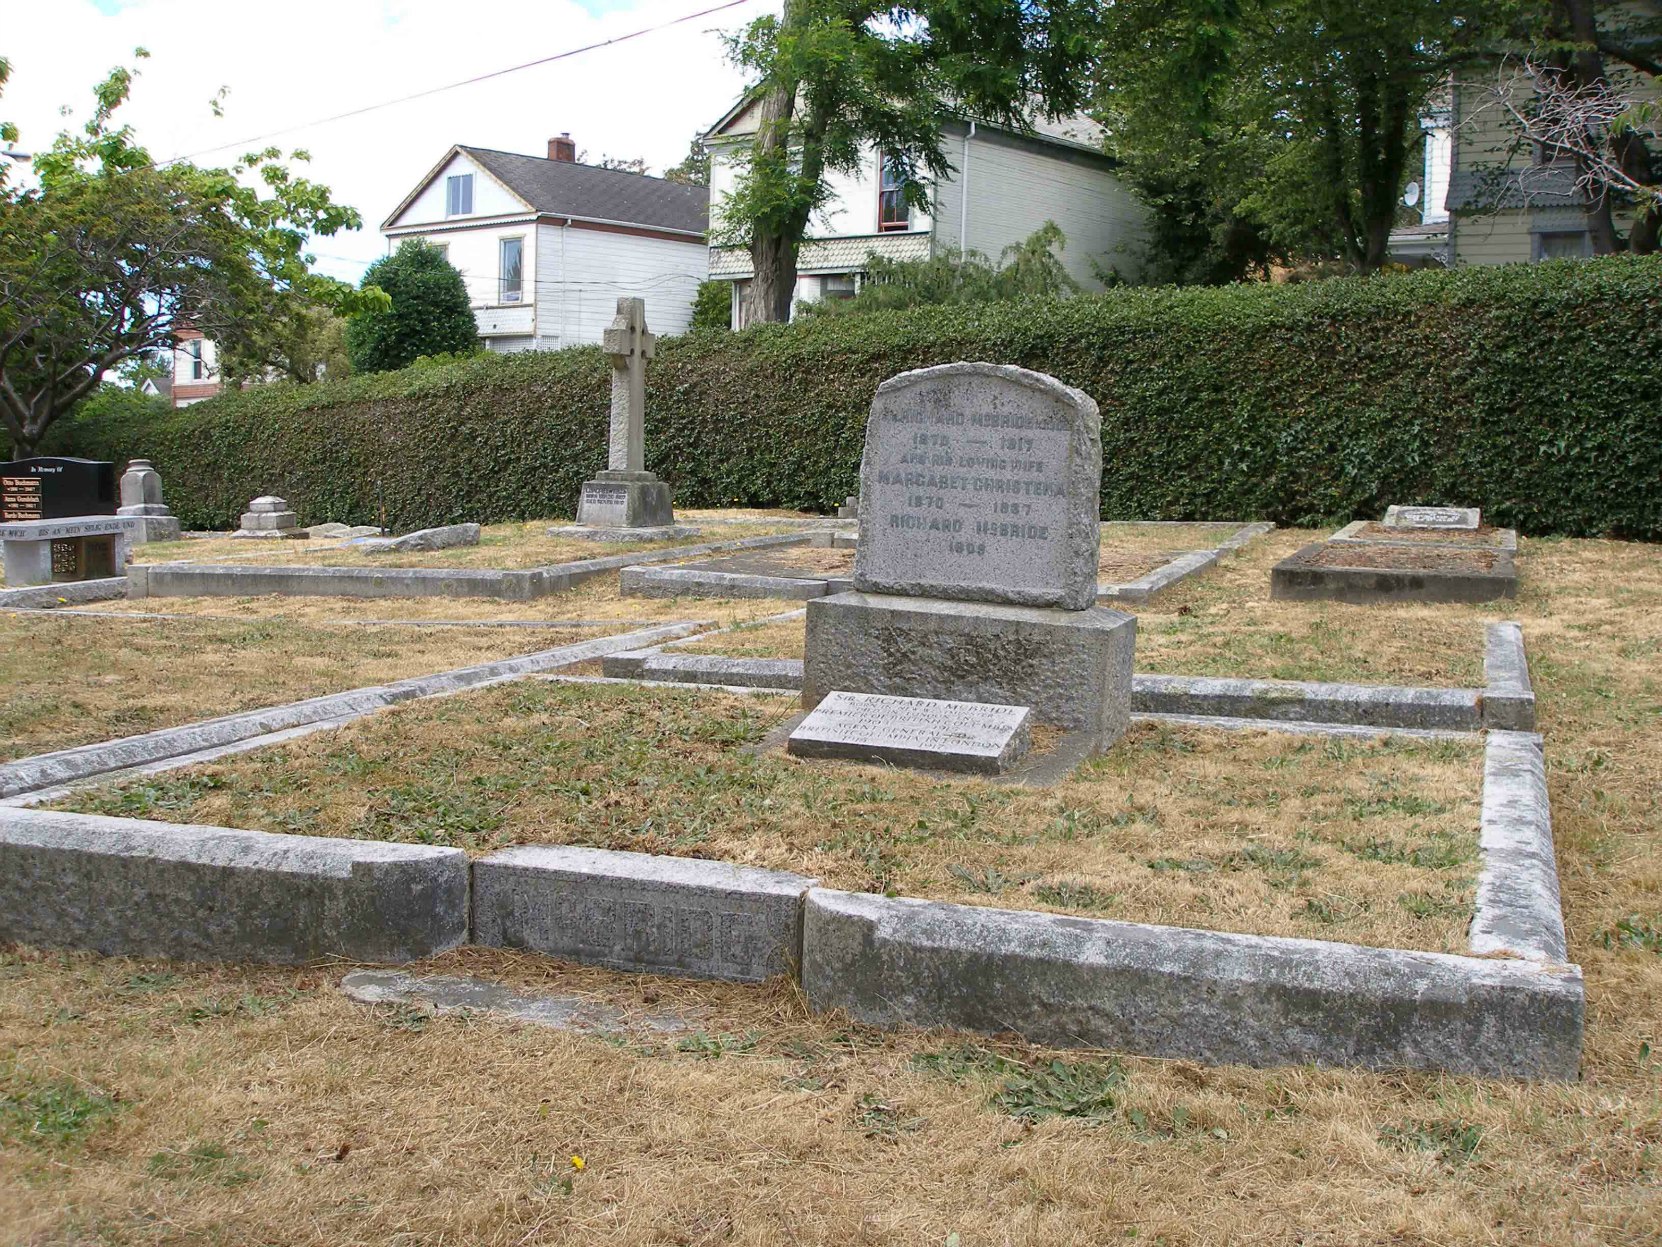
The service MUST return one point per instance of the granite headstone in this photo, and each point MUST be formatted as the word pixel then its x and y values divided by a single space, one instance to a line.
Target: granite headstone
pixel 48 488
pixel 978 737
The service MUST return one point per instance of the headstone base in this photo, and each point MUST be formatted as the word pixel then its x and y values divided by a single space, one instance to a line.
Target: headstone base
pixel 154 522
pixel 625 500
pixel 274 534
pixel 663 532
pixel 1072 667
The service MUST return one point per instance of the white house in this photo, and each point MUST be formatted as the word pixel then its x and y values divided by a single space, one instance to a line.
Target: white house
pixel 195 368
pixel 547 246
pixel 1004 185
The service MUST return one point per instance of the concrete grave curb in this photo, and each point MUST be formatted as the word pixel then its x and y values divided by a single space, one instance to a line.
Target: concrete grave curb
pixel 38 597
pixel 637 911
pixel 672 582
pixel 219 580
pixel 1351 534
pixel 1518 911
pixel 1509 699
pixel 1162 577
pixel 130 887
pixel 780 673
pixel 1175 992
pixel 1309 702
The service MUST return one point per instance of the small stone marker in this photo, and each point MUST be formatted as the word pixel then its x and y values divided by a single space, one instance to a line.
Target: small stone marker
pixel 269 516
pixel 978 737
pixel 981 482
pixel 625 495
pixel 423 540
pixel 55 488
pixel 1432 517
pixel 141 497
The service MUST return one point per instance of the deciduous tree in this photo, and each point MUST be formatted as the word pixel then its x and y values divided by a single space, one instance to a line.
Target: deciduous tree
pixel 108 252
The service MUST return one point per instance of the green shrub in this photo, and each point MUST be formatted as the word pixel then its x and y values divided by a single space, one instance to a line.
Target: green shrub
pixel 430 313
pixel 713 306
pixel 1528 390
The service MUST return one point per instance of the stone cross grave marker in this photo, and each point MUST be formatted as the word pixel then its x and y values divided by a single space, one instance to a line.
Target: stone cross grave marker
pixel 981 482
pixel 629 344
pixel 978 737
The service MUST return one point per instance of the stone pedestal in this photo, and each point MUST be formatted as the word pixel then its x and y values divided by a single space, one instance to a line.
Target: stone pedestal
pixel 141 498
pixel 622 499
pixel 1072 667
pixel 269 516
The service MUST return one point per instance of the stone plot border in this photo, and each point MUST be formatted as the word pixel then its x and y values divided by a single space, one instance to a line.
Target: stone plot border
pixel 1297 579
pixel 1505 538
pixel 253 728
pixel 72 880
pixel 220 580
pixel 665 582
pixel 44 597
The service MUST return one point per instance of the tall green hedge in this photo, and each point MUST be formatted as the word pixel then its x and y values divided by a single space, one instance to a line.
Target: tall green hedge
pixel 1534 392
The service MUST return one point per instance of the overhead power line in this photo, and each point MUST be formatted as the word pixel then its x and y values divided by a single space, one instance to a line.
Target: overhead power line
pixel 452 86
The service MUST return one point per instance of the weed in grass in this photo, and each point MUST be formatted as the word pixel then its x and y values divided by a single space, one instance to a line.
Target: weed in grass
pixel 962 1061
pixel 146 982
pixel 1283 867
pixel 1442 851
pixel 989 882
pixel 200 1162
pixel 1180 1121
pixel 1071 895
pixel 412 1019
pixel 247 1006
pixel 53 1114
pixel 1333 910
pixel 1084 1090
pixel 710 1047
pixel 1634 931
pixel 879 1120
pixel 1191 865
pixel 1453 1143
pixel 142 800
pixel 1424 905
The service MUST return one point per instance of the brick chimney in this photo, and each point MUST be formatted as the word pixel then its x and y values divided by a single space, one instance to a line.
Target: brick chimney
pixel 563 148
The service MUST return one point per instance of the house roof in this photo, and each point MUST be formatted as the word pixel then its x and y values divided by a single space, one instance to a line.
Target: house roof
pixel 1484 188
pixel 565 188
pixel 827 255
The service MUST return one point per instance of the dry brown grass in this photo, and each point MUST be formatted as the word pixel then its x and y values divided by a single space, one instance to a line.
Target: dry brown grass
pixel 505 546
pixel 827 1134
pixel 70 680
pixel 1163 538
pixel 783 639
pixel 1370 842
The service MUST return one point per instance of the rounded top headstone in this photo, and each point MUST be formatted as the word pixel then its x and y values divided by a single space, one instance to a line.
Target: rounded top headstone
pixel 981 482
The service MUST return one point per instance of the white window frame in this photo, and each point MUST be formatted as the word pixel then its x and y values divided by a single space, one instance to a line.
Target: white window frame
pixel 454 185
pixel 502 295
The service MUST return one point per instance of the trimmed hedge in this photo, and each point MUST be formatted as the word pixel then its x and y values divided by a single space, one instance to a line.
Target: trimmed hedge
pixel 1532 391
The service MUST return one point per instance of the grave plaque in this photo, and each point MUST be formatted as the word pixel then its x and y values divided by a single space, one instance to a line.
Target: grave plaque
pixel 979 737
pixel 1432 517
pixel 981 482
pixel 55 488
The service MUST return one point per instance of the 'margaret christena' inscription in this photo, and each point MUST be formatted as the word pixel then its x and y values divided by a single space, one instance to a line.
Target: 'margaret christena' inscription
pixel 981 482
pixel 981 737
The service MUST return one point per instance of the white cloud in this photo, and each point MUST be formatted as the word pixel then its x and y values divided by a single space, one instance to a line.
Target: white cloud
pixel 307 59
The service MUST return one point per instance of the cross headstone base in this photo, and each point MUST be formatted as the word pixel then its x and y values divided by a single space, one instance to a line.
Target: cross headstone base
pixel 624 499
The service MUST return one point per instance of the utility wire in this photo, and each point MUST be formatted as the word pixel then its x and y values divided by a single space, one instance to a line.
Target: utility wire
pixel 465 82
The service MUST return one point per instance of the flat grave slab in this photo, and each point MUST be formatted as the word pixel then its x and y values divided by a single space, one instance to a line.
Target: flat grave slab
pixel 793 574
pixel 1354 571
pixel 977 737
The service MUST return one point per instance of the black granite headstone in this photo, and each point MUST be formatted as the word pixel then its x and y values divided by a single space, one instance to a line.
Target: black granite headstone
pixel 56 489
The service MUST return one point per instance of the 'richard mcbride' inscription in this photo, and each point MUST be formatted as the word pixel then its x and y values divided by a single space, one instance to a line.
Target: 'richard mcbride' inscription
pixel 981 482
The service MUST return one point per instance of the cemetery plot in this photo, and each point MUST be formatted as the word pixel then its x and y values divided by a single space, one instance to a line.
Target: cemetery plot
pixel 513 547
pixel 73 680
pixel 1370 842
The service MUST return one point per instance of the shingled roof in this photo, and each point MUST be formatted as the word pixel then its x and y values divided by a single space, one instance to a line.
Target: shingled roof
pixel 565 188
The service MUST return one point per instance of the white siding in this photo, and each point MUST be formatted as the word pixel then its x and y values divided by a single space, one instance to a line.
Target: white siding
pixel 850 211
pixel 1014 188
pixel 490 197
pixel 577 294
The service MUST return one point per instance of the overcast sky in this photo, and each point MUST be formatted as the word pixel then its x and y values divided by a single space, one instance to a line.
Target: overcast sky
pixel 292 63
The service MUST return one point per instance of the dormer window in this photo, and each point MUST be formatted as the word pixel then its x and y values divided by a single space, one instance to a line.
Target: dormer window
pixel 893 212
pixel 458 195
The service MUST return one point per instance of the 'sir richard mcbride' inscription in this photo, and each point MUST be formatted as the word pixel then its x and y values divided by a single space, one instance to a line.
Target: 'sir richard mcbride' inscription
pixel 980 482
